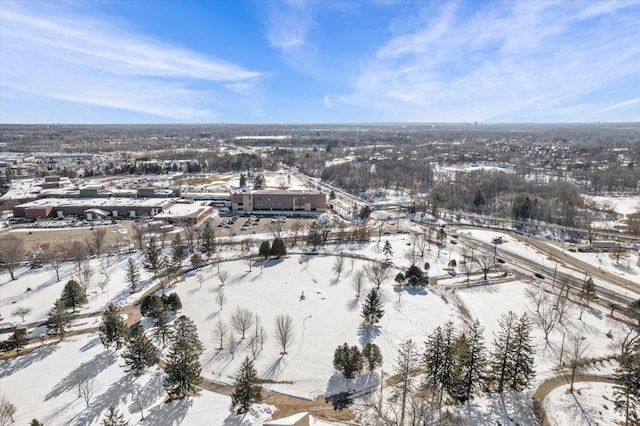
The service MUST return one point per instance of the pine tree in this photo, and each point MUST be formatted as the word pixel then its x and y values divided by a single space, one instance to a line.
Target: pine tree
pixel 59 319
pixel 35 422
pixel 247 390
pixel 433 360
pixel 405 366
pixel 73 295
pixel 372 308
pixel 348 360
pixel 133 275
pixel 114 418
pixel 152 257
pixel 387 250
pixel 183 362
pixel 522 365
pixel 265 250
pixel 470 363
pixel 278 248
pixel 162 330
pixel 184 329
pixel 502 358
pixel 179 254
pixel 18 339
pixel 113 329
pixel 152 306
pixel 139 353
pixel 372 355
pixel 626 392
pixel 207 240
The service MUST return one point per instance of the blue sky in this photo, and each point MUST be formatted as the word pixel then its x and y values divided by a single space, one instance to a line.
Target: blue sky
pixel 319 61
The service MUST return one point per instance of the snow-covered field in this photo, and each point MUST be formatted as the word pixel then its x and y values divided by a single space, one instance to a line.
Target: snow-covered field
pixel 590 404
pixel 328 316
pixel 623 205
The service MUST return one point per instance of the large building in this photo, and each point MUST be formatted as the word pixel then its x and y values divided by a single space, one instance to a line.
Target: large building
pixel 116 207
pixel 279 201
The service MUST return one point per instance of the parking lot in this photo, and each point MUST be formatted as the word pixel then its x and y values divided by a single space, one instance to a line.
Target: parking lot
pixel 254 224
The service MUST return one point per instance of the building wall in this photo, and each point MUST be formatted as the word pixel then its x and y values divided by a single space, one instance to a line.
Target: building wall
pixel 287 201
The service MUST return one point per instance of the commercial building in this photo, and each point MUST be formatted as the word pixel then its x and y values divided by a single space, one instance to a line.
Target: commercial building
pixel 279 201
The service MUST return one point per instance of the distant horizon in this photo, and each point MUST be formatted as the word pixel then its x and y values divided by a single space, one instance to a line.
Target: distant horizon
pixel 300 62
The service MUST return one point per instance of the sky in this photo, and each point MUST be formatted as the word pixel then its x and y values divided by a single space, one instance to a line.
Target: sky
pixel 331 61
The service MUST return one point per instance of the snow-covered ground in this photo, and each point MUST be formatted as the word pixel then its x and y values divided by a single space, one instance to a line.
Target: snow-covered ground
pixel 624 205
pixel 42 385
pixel 590 404
pixel 328 316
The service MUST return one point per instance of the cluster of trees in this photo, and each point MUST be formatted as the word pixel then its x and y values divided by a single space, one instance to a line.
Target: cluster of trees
pixel 626 392
pixel 350 360
pixel 276 249
pixel 457 366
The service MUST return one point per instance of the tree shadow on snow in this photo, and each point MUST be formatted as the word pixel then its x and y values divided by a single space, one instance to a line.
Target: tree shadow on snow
pixel 86 370
pixel 368 332
pixel 21 362
pixel 272 262
pixel 115 394
pixel 338 383
pixel 274 369
pixel 90 344
pixel 415 291
pixel 169 413
pixel 147 394
pixel 352 305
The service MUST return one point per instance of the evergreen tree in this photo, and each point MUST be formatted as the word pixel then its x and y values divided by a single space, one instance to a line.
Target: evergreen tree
pixel 265 250
pixel 179 254
pixel 372 355
pixel 207 240
pixel 18 339
pixel 152 256
pixel 162 330
pixel 73 295
pixel 314 236
pixel 133 275
pixel 59 319
pixel 387 250
pixel 35 422
pixel 522 366
pixel 502 358
pixel 372 308
pixel 626 392
pixel 113 329
pixel 183 362
pixel 247 390
pixel 114 418
pixel 243 180
pixel 405 367
pixel 139 353
pixel 470 363
pixel 278 248
pixel 348 361
pixel 173 302
pixel 184 329
pixel 152 306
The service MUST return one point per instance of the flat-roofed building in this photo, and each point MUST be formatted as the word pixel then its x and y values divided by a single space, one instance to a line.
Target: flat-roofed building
pixel 280 201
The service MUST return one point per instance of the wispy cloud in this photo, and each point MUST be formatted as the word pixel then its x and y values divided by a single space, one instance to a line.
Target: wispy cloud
pixel 57 53
pixel 513 60
pixel 286 26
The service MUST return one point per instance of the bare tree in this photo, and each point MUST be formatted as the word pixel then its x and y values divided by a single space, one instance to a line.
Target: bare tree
pixel 577 348
pixel 242 320
pixel 537 295
pixel 277 228
pixel 21 312
pixel 467 267
pixel 11 253
pixel 7 411
pixel 106 268
pixel 249 261
pixel 190 236
pixel 223 276
pixel 338 266
pixel 77 253
pixel 87 389
pixel 296 227
pixel 231 342
pixel 221 298
pixel 96 240
pixel 376 273
pixel 220 332
pixel 357 282
pixel 486 264
pixel 139 234
pixel 200 279
pixel 284 332
pixel 83 275
pixel 547 317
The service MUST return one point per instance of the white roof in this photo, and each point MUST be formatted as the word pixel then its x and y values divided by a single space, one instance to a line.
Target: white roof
pixel 287 421
pixel 106 203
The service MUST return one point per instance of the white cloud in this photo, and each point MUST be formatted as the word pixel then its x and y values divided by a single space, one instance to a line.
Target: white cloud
pixel 59 54
pixel 512 60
